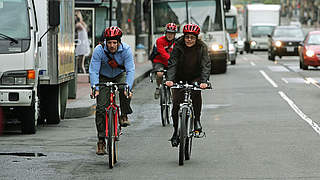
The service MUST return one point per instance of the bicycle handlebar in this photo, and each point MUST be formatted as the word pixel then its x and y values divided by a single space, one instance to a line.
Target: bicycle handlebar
pixel 155 71
pixel 108 84
pixel 194 86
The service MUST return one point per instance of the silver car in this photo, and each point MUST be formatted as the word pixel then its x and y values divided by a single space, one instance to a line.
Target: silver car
pixel 232 52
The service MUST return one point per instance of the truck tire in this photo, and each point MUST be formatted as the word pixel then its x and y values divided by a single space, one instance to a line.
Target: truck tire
pixel 64 92
pixel 29 117
pixel 50 103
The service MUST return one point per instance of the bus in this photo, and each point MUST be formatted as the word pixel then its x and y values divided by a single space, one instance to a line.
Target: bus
pixel 231 23
pixel 208 14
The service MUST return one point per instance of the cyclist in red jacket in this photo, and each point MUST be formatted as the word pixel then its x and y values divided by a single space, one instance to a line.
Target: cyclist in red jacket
pixel 164 46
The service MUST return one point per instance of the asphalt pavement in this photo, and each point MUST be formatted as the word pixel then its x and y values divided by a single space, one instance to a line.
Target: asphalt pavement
pixel 83 105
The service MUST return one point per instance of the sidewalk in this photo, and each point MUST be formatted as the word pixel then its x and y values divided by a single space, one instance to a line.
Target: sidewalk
pixel 83 105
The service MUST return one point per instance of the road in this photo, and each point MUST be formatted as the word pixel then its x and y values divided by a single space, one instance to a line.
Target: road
pixel 261 121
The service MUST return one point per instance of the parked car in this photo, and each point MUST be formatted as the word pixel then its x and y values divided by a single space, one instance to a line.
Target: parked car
pixel 309 50
pixel 284 41
pixel 232 53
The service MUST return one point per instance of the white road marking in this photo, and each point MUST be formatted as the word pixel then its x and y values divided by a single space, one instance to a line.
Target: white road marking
pixel 312 81
pixel 283 79
pixel 252 63
pixel 314 125
pixel 278 69
pixel 269 79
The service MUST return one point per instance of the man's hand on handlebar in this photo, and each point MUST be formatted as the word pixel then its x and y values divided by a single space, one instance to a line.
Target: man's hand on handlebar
pixel 203 85
pixel 94 93
pixel 130 94
pixel 169 83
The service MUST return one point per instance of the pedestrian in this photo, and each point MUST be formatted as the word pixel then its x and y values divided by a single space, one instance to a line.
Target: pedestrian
pixel 111 61
pixel 83 45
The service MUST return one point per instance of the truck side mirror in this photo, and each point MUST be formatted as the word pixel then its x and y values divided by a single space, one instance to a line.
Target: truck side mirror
pixel 269 35
pixel 54 12
pixel 226 5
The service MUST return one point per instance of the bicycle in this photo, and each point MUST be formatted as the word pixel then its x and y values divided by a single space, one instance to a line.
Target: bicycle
pixel 186 129
pixel 113 128
pixel 165 97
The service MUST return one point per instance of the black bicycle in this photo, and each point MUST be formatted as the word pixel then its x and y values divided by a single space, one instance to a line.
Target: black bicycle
pixel 165 98
pixel 186 129
pixel 113 127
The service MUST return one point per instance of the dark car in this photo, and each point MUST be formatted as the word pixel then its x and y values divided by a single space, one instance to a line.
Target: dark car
pixel 284 41
pixel 309 50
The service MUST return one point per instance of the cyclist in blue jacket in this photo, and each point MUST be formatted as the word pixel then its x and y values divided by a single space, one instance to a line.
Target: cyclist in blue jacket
pixel 111 61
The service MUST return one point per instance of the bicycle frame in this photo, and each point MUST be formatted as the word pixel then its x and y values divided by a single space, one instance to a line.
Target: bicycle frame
pixel 114 109
pixel 187 104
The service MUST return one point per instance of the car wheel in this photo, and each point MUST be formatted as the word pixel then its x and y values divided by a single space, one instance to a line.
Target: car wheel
pixel 302 65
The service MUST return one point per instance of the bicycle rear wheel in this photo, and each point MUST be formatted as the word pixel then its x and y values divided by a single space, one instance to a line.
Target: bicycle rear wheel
pixel 111 140
pixel 163 107
pixel 182 136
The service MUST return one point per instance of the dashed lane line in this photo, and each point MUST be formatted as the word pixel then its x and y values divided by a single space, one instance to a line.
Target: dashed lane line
pixel 268 79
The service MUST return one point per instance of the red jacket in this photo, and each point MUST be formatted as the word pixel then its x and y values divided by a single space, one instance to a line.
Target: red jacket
pixel 164 48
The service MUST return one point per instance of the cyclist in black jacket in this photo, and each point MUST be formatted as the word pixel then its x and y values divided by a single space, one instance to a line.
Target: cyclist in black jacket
pixel 189 62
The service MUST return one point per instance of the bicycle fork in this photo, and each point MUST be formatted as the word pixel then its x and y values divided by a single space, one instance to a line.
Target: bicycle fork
pixel 115 112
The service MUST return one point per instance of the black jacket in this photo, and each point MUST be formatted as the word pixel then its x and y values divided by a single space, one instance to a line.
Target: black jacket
pixel 177 56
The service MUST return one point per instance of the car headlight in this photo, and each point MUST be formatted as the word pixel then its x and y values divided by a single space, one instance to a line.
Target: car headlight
pixel 278 43
pixel 216 47
pixel 18 77
pixel 310 53
pixel 253 43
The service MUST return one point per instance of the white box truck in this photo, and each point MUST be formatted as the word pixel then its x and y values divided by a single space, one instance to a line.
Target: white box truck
pixel 260 20
pixel 37 60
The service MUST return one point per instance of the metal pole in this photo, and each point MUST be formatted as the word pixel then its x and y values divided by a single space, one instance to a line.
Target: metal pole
pixel 110 13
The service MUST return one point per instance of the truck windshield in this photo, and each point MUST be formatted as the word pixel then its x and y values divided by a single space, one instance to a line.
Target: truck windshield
pixel 259 31
pixel 14 19
pixel 206 14
pixel 231 24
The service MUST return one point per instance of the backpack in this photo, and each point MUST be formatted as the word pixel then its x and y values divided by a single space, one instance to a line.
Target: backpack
pixel 153 53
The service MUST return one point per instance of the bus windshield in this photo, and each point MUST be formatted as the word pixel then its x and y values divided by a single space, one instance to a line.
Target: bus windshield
pixel 14 19
pixel 231 24
pixel 204 13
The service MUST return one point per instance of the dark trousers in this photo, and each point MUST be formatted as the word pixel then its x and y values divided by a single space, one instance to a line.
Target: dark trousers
pixel 103 101
pixel 177 99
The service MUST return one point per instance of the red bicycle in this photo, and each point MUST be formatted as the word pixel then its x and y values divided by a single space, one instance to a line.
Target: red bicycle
pixel 113 127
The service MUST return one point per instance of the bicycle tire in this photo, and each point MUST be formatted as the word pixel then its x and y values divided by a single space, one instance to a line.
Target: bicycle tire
pixel 182 136
pixel 190 137
pixel 163 106
pixel 111 140
pixel 168 104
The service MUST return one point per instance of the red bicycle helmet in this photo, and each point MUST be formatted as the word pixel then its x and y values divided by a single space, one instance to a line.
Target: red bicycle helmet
pixel 112 33
pixel 171 27
pixel 191 28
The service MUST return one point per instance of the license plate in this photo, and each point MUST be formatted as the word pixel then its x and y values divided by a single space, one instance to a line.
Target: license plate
pixel 3 97
pixel 290 49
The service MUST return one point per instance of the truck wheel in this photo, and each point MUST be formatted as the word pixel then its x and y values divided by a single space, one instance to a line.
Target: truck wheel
pixel 29 117
pixel 233 62
pixel 52 104
pixel 64 92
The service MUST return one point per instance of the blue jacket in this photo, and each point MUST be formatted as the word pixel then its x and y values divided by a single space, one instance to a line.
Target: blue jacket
pixel 99 64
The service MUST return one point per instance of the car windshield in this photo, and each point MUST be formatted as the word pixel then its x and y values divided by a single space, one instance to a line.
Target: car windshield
pixel 14 19
pixel 314 39
pixel 203 13
pixel 259 31
pixel 288 32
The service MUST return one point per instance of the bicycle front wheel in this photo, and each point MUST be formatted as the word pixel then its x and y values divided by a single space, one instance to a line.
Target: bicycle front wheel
pixel 163 107
pixel 182 135
pixel 111 140
pixel 168 104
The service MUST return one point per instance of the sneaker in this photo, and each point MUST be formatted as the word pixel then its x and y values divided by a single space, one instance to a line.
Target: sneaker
pixel 174 140
pixel 197 126
pixel 101 148
pixel 124 122
pixel 157 93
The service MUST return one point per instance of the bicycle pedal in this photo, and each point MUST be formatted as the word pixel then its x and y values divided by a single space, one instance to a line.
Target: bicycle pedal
pixel 198 134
